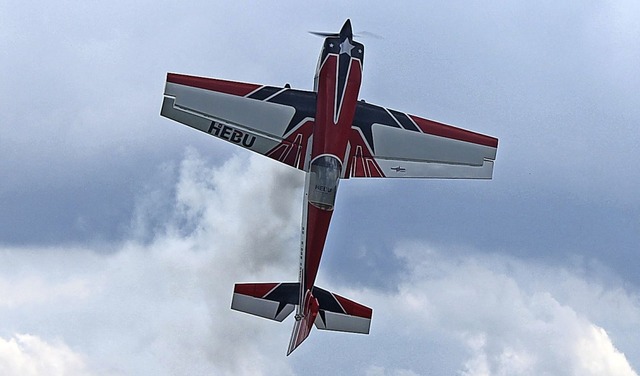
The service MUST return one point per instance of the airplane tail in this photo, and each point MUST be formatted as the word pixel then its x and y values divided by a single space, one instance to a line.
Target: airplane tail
pixel 302 326
pixel 276 301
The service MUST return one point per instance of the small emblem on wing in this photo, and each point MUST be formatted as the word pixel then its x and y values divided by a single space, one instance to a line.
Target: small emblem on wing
pixel 399 169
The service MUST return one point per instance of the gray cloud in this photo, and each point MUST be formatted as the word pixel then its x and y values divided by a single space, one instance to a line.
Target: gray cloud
pixel 96 196
pixel 124 312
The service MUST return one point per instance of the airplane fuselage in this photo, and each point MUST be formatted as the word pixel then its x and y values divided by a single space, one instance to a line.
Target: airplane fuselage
pixel 337 84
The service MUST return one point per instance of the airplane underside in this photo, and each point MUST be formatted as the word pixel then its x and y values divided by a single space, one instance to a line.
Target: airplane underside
pixel 331 136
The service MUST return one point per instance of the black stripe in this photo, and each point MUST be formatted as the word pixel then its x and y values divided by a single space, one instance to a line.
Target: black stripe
pixel 281 306
pixel 303 101
pixel 327 301
pixel 285 293
pixel 404 120
pixel 264 93
pixel 322 315
pixel 368 114
pixel 344 61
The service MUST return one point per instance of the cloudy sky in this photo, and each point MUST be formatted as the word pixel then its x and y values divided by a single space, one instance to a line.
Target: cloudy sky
pixel 122 233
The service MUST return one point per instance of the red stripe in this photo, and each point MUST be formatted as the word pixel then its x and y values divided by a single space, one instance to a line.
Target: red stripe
pixel 361 163
pixel 448 131
pixel 258 290
pixel 354 309
pixel 222 86
pixel 293 149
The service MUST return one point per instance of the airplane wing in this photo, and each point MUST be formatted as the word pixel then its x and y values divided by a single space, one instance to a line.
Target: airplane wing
pixel 273 121
pixel 389 143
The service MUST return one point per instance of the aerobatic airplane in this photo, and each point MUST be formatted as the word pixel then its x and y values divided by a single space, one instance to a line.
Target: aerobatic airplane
pixel 330 135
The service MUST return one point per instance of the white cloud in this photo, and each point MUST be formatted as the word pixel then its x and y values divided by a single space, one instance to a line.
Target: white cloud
pixel 598 356
pixel 513 317
pixel 28 355
pixel 163 307
pixel 35 290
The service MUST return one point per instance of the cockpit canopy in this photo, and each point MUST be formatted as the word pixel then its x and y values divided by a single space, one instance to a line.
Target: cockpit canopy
pixel 323 181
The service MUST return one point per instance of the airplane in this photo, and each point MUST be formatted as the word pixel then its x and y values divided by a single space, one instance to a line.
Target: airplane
pixel 330 135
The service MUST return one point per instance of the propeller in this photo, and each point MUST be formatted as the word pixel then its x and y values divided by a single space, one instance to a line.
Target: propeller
pixel 362 34
pixel 368 34
pixel 345 31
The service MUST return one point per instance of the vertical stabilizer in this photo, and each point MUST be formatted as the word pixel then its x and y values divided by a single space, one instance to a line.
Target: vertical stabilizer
pixel 303 324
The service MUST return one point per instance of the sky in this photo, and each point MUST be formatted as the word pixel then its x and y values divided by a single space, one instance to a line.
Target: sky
pixel 122 232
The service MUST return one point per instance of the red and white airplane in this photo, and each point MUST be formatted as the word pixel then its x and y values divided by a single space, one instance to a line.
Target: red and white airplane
pixel 330 135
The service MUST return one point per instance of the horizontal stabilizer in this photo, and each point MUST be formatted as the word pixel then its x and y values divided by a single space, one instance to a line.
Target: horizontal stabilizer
pixel 274 301
pixel 338 313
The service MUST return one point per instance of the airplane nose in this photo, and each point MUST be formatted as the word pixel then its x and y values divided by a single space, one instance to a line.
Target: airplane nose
pixel 346 30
